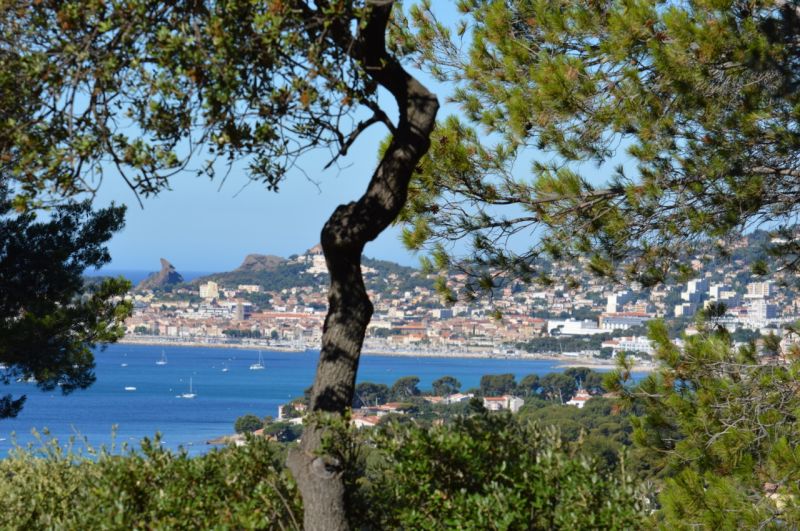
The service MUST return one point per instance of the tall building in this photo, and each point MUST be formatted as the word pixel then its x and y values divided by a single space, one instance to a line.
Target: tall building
pixel 759 290
pixel 760 310
pixel 209 290
pixel 695 290
pixel 616 301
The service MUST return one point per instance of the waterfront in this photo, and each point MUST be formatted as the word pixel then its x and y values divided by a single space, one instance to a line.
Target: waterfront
pixel 221 396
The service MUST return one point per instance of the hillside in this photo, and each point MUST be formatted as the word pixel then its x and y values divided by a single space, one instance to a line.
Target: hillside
pixel 275 273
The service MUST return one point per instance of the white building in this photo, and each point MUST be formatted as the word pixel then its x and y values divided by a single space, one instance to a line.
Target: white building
pixel 622 321
pixel 580 399
pixel 759 290
pixel 759 310
pixel 573 327
pixel 695 290
pixel 209 290
pixel 616 301
pixel 457 397
pixel 249 288
pixel 629 344
pixel 499 403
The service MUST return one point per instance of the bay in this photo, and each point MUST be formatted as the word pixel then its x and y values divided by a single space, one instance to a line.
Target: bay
pixel 221 396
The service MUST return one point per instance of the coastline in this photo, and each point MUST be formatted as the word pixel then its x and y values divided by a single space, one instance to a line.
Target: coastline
pixel 565 361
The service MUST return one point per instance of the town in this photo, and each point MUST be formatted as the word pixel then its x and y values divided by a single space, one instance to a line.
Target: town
pixel 276 303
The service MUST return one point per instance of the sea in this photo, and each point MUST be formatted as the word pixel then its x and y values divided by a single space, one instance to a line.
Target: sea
pixel 106 414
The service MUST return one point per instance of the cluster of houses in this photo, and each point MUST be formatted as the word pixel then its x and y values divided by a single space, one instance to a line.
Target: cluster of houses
pixel 411 316
pixel 370 416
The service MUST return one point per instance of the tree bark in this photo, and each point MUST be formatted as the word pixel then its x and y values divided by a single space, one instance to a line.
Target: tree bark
pixel 347 231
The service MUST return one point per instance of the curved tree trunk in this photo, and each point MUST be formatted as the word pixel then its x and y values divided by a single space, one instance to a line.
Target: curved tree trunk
pixel 343 238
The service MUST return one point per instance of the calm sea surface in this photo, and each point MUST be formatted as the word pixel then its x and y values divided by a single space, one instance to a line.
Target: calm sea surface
pixel 221 396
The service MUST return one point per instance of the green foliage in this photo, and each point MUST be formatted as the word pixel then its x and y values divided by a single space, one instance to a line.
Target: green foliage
pixel 497 384
pixel 558 387
pixel 698 101
pixel 724 425
pixel 446 385
pixel 370 394
pixel 129 82
pixel 239 488
pixel 528 386
pixel 491 472
pixel 284 431
pixel 590 380
pixel 405 387
pixel 598 431
pixel 248 424
pixel 49 319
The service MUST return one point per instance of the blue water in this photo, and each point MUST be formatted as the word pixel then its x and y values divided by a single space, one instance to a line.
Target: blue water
pixel 221 396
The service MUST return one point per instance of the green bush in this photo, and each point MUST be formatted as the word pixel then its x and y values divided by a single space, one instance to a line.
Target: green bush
pixel 486 471
pixel 233 488
pixel 248 424
pixel 490 472
pixel 284 431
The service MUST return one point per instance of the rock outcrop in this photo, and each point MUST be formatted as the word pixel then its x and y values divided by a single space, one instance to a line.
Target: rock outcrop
pixel 166 277
pixel 260 262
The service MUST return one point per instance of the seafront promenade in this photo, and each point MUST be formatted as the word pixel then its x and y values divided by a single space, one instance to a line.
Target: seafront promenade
pixel 377 350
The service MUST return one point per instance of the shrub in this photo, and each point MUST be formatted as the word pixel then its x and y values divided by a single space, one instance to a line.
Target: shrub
pixel 491 472
pixel 152 488
pixel 248 424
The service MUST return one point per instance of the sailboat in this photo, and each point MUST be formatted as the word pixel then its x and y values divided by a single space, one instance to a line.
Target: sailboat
pixel 225 368
pixel 190 394
pixel 259 366
pixel 163 360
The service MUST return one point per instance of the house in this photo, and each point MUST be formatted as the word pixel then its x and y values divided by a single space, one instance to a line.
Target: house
pixel 433 399
pixel 456 398
pixel 365 421
pixel 499 403
pixel 580 398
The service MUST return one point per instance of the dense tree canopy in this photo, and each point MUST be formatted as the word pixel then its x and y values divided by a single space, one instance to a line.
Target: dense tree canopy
pixel 370 394
pixel 446 385
pixel 652 127
pixel 137 87
pixel 497 384
pixel 405 387
pixel 723 427
pixel 49 320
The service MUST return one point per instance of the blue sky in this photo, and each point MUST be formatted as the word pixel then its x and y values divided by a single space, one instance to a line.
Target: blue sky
pixel 199 227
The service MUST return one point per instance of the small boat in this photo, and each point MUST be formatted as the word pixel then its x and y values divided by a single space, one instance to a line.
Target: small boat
pixel 163 360
pixel 3 366
pixel 190 394
pixel 130 388
pixel 124 365
pixel 225 368
pixel 259 366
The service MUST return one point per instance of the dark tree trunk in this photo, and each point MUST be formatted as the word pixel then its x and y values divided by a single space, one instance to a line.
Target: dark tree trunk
pixel 343 238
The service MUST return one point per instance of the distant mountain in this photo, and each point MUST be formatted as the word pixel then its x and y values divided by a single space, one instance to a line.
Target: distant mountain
pixel 275 273
pixel 168 276
pixel 268 271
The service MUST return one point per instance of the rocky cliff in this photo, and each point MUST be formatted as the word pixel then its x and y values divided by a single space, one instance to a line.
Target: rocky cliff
pixel 166 277
pixel 260 262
